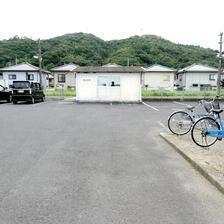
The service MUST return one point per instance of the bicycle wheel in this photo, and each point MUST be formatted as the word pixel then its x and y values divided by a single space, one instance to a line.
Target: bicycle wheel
pixel 199 132
pixel 180 122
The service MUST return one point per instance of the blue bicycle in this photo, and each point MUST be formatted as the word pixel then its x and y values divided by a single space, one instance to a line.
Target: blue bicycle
pixel 207 130
pixel 180 122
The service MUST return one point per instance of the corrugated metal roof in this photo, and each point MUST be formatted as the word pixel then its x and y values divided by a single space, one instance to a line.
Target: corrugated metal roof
pixel 68 67
pixel 159 68
pixel 100 69
pixel 198 68
pixel 22 67
pixel 111 65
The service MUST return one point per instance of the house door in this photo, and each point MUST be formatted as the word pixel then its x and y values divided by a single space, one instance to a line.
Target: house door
pixel 108 88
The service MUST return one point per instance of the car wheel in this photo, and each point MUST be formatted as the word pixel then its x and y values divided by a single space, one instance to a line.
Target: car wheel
pixel 9 100
pixel 14 102
pixel 43 99
pixel 32 100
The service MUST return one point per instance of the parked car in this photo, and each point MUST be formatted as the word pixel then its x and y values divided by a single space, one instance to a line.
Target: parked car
pixel 27 91
pixel 5 94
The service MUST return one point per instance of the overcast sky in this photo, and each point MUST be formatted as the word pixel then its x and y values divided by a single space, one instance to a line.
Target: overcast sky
pixel 196 22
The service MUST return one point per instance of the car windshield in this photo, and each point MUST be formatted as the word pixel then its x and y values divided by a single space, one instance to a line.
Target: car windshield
pixel 21 85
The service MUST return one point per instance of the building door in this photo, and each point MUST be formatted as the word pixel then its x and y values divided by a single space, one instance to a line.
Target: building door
pixel 108 88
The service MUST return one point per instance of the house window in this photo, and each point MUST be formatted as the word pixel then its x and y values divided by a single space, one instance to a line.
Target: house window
pixel 29 77
pixel 12 77
pixel 195 85
pixel 1 75
pixel 108 81
pixel 166 78
pixel 205 87
pixel 61 78
pixel 212 77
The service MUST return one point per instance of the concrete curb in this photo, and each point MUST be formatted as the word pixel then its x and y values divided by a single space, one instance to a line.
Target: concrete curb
pixel 59 98
pixel 203 171
pixel 176 98
pixel 150 98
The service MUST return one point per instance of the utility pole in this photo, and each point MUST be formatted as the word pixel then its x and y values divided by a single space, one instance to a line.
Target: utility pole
pixel 40 61
pixel 16 60
pixel 220 63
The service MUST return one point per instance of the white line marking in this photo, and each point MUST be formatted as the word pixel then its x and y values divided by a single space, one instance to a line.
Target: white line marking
pixel 161 124
pixel 150 106
pixel 65 102
pixel 183 104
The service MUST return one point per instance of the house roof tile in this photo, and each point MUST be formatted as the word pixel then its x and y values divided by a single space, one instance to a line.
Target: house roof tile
pixel 198 68
pixel 100 69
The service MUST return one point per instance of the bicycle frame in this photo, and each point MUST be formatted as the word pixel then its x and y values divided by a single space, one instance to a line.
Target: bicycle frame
pixel 217 133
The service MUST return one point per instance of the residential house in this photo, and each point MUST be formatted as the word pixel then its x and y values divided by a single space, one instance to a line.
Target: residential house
pixel 22 72
pixel 159 77
pixel 64 76
pixel 197 77
pixel 108 84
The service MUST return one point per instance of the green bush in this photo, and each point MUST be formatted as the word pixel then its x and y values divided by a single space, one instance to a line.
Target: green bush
pixel 163 93
pixel 56 92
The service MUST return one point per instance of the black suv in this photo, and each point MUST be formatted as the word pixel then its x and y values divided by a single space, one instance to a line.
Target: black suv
pixel 5 94
pixel 27 91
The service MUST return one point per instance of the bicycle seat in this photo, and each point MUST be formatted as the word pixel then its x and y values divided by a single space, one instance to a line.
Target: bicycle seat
pixel 217 111
pixel 189 107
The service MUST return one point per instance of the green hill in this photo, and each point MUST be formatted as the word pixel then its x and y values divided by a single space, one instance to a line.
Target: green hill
pixel 87 49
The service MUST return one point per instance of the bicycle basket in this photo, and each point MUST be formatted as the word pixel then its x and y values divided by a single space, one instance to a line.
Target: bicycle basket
pixel 207 106
pixel 215 105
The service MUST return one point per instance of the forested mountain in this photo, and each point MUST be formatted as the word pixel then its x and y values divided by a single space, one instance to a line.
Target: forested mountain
pixel 87 49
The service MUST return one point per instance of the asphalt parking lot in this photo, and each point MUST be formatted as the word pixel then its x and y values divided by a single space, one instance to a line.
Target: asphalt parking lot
pixel 62 162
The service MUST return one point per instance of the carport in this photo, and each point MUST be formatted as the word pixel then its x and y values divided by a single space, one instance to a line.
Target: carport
pixel 108 84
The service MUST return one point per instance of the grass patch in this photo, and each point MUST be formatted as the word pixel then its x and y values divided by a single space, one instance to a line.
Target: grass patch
pixel 145 93
pixel 163 93
pixel 56 92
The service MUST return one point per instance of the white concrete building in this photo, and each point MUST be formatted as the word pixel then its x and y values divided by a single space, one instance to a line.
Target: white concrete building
pixel 64 76
pixel 159 77
pixel 197 77
pixel 22 72
pixel 108 84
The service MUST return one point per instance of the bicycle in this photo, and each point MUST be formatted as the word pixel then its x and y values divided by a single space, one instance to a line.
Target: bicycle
pixel 207 130
pixel 180 122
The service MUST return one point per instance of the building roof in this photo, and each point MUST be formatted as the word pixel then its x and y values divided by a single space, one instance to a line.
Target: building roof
pixel 159 68
pixel 100 69
pixel 111 65
pixel 65 68
pixel 198 68
pixel 21 68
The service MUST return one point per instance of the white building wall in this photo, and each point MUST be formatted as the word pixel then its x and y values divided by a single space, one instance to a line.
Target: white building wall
pixel 131 87
pixel 198 78
pixel 69 80
pixel 156 80
pixel 87 88
pixel 21 76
